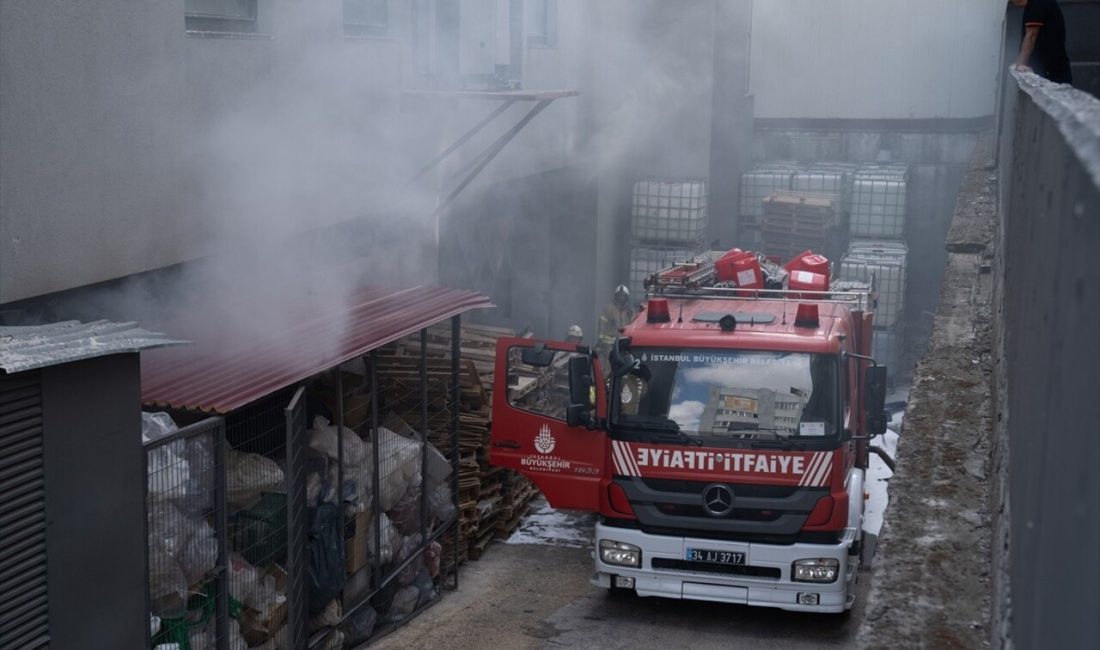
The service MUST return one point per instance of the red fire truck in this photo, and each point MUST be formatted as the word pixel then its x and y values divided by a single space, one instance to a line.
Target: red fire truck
pixel 725 452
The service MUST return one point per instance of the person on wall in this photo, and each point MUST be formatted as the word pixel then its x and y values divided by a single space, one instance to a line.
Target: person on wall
pixel 1043 47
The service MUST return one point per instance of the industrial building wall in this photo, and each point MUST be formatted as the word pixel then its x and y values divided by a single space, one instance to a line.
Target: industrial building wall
pixel 1047 279
pixel 851 59
pixel 130 143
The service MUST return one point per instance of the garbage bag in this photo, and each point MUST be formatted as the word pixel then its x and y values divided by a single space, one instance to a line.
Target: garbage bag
pixel 441 503
pixel 155 426
pixel 425 586
pixel 248 476
pixel 326 556
pixel 168 473
pixel 199 553
pixel 432 555
pixel 408 549
pixel 359 626
pixel 391 541
pixel 406 513
pixel 404 604
pixel 323 439
pixel 167 584
pixel 249 586
pixel 398 466
pixel 198 497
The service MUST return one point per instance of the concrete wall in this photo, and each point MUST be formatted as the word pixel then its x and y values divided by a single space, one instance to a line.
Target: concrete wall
pixel 887 59
pixel 1047 271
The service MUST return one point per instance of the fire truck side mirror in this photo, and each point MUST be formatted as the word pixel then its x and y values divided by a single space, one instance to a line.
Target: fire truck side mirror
pixel 874 399
pixel 578 415
pixel 580 380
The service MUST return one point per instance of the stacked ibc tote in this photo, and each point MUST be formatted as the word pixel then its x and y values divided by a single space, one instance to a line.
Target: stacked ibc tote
pixel 877 228
pixel 668 224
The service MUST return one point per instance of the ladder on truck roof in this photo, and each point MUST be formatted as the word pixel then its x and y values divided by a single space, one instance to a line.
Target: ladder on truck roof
pixel 696 279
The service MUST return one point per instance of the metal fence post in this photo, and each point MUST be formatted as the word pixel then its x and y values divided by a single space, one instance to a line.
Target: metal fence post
pixel 376 490
pixel 297 522
pixel 456 353
pixel 424 435
pixel 145 523
pixel 221 526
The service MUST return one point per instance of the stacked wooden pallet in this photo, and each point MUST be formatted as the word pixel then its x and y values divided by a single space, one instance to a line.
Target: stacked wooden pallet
pixel 517 496
pixel 490 500
pixel 798 221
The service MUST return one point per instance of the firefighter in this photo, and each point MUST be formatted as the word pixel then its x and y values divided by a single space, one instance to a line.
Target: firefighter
pixel 614 318
pixel 574 334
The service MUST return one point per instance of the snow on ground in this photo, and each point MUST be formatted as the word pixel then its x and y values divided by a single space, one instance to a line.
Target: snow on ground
pixel 554 527
pixel 878 476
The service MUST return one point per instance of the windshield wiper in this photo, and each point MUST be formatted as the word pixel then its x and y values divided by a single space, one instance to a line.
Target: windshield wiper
pixel 786 444
pixel 678 436
pixel 751 430
pixel 667 430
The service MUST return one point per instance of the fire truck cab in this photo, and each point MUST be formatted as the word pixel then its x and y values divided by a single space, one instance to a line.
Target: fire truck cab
pixel 725 451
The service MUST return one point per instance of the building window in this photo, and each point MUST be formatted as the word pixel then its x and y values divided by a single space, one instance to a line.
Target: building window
pixel 541 22
pixel 237 16
pixel 366 17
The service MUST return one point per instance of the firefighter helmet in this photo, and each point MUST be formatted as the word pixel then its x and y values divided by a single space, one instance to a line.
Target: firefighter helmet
pixel 622 294
pixel 575 331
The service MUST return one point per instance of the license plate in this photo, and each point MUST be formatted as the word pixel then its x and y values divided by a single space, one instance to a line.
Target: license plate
pixel 715 557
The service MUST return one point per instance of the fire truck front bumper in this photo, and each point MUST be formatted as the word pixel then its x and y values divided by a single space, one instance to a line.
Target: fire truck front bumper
pixel 794 577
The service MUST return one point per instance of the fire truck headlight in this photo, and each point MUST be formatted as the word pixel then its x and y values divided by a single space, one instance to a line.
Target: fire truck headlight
pixel 815 570
pixel 620 554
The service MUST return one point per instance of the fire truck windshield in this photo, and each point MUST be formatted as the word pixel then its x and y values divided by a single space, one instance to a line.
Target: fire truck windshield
pixel 730 394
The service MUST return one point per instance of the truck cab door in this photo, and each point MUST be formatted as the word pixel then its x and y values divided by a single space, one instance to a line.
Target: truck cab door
pixel 530 433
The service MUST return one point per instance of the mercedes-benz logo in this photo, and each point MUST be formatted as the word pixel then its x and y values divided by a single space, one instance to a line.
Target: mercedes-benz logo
pixel 717 500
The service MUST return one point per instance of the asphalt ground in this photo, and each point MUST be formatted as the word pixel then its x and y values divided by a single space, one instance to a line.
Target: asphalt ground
pixel 539 596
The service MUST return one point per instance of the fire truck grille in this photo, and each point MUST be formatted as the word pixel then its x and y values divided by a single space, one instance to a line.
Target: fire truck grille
pixel 667 564
pixel 696 487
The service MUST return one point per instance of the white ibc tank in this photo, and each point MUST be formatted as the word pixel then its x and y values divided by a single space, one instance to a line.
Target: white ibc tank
pixel 669 212
pixel 877 202
pixel 886 261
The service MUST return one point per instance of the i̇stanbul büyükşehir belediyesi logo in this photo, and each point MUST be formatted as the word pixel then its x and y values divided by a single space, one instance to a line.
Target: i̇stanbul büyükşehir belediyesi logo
pixel 544 442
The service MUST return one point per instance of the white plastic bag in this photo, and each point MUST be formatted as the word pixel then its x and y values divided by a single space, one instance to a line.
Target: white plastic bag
pixel 398 465
pixel 155 426
pixel 168 473
pixel 199 553
pixel 392 540
pixel 323 439
pixel 248 476
pixel 249 586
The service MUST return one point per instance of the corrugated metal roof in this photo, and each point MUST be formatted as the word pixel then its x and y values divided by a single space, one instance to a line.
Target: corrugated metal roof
pixel 219 376
pixel 40 346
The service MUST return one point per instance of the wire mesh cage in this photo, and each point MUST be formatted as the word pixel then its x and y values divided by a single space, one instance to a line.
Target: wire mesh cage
pixel 333 510
pixel 188 597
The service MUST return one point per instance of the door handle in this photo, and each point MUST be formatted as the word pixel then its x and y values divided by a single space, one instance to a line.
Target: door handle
pixel 507 444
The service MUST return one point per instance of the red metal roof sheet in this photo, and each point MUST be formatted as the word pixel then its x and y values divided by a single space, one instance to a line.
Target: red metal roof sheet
pixel 224 371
